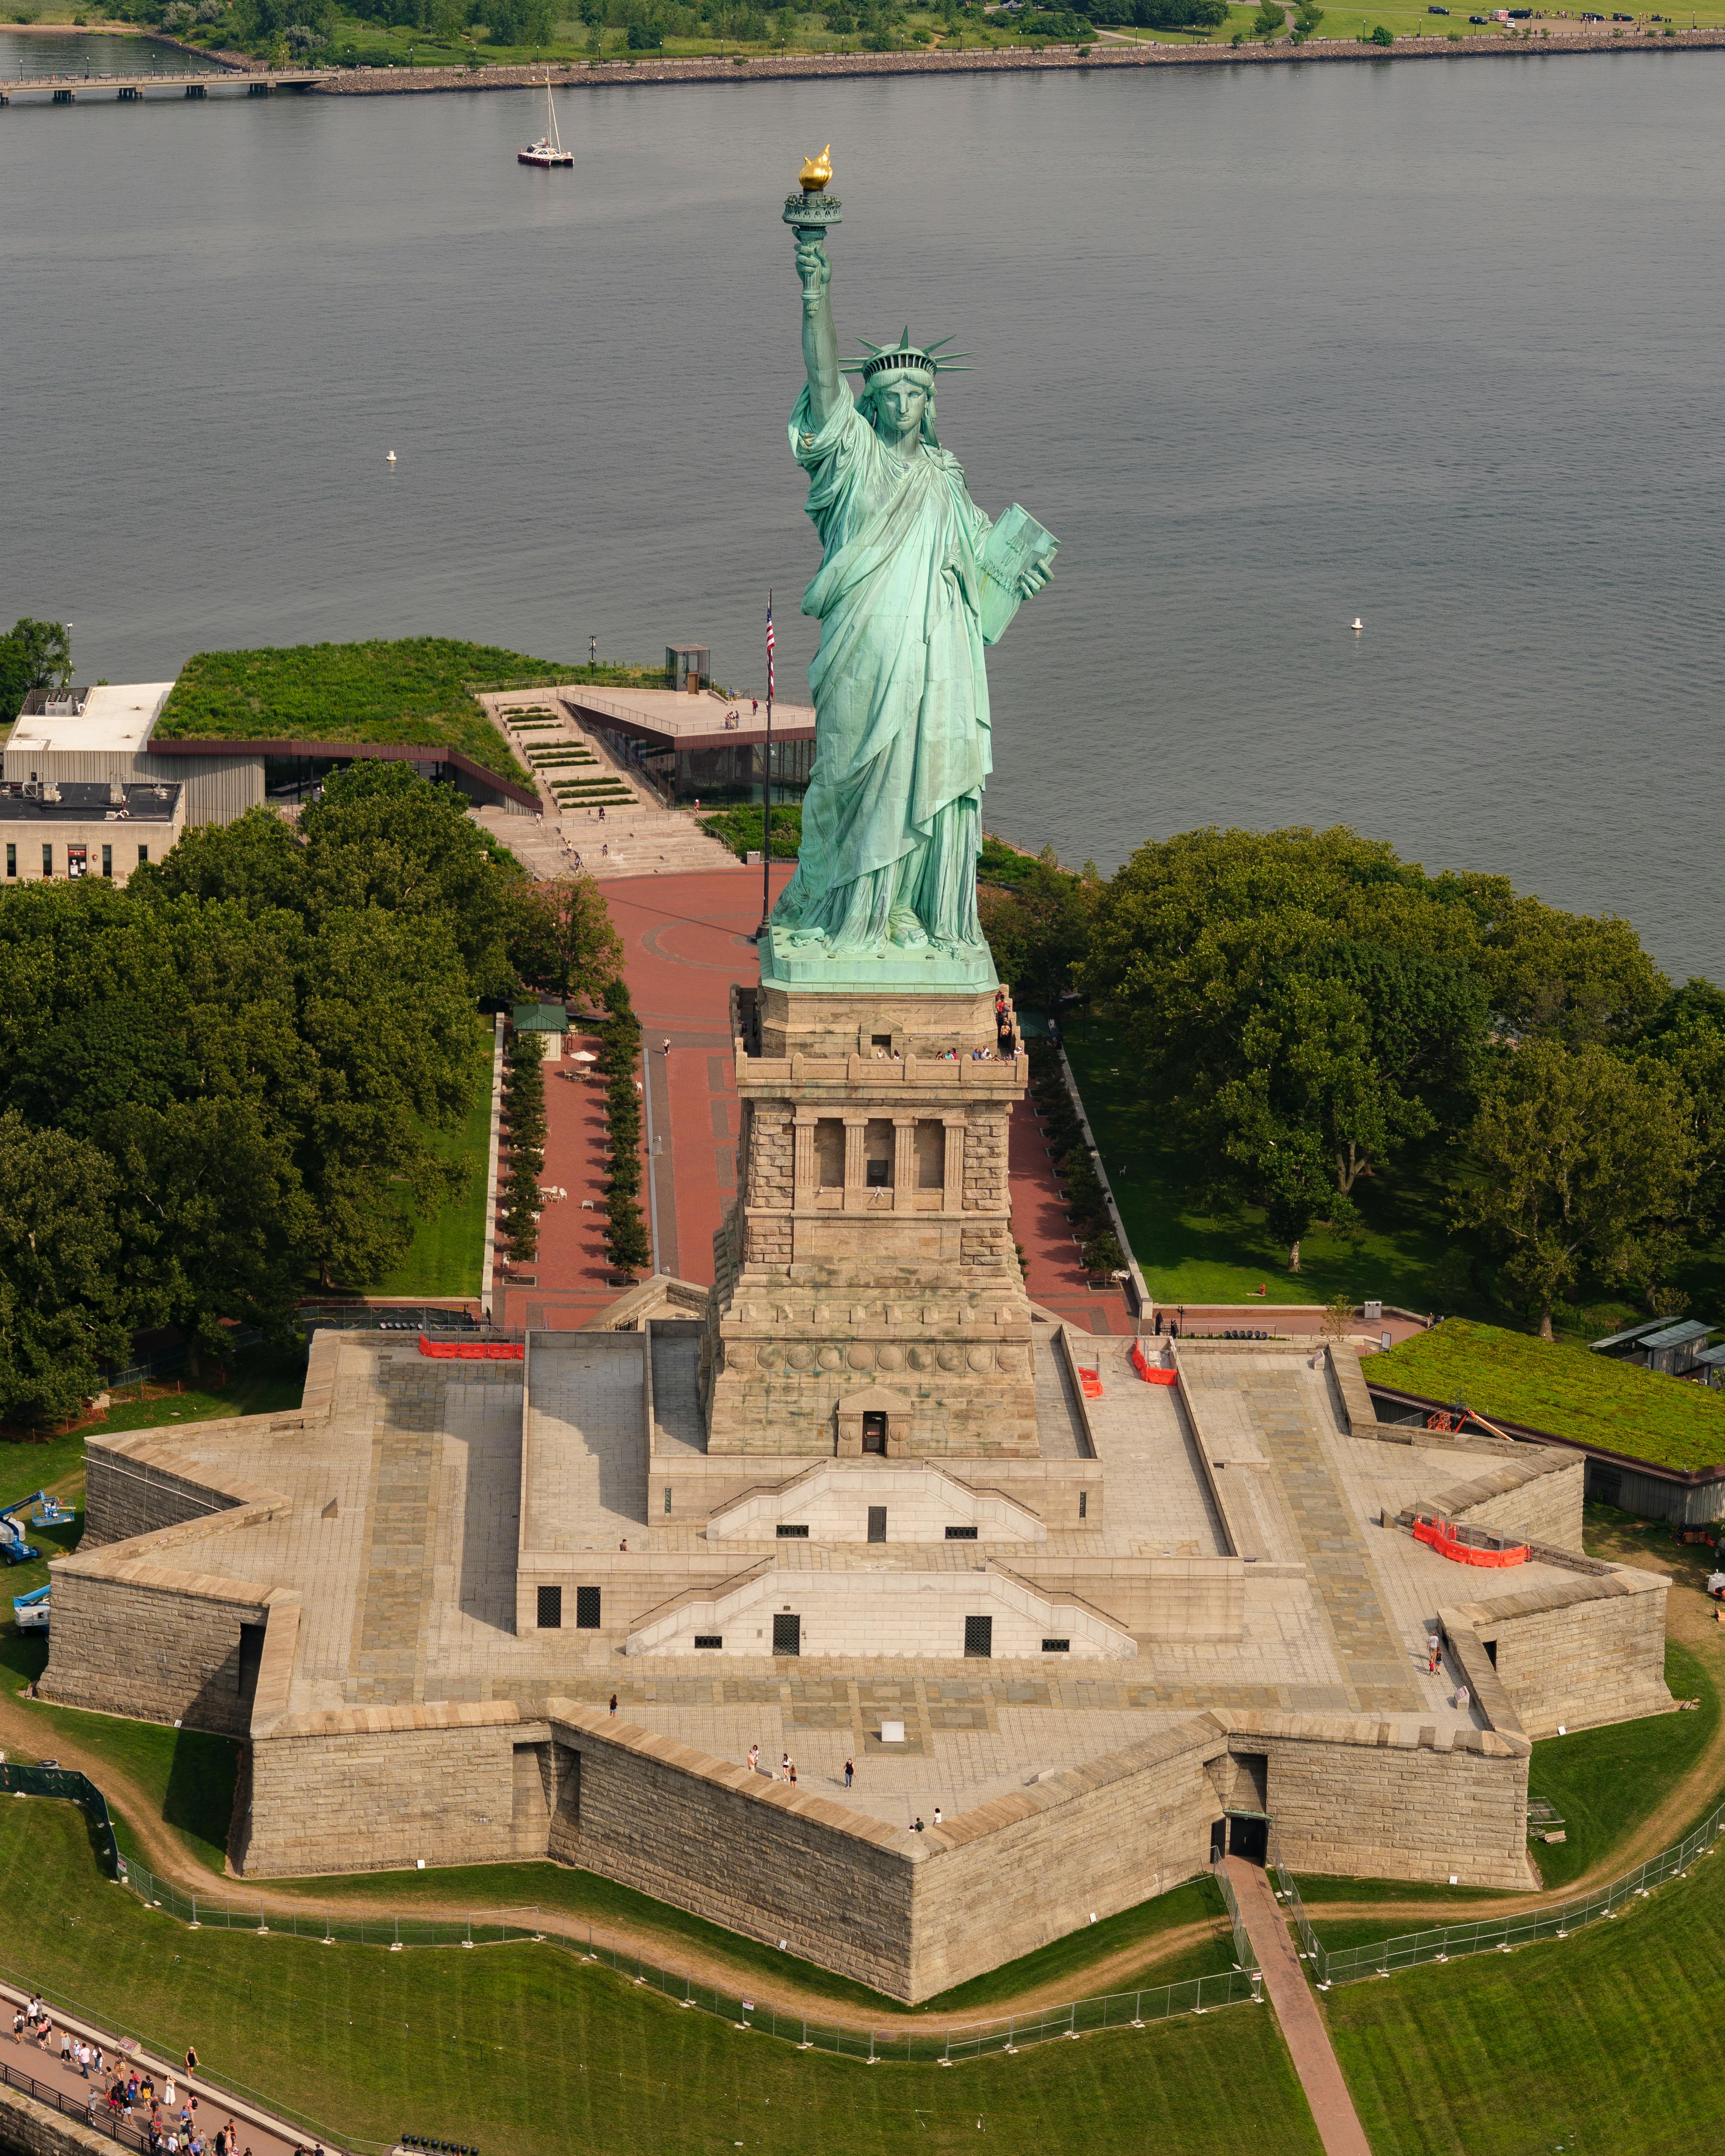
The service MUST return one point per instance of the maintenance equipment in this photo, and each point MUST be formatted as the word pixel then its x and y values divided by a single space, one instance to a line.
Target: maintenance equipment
pixel 13 1546
pixel 31 1610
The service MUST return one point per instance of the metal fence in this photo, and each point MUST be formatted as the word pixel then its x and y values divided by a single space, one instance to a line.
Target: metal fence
pixel 1242 1945
pixel 76 1789
pixel 1491 1934
pixel 482 1927
pixel 910 2045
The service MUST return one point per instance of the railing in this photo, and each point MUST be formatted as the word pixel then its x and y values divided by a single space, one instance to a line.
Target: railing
pixel 95 2111
pixel 222 1912
pixel 1242 1945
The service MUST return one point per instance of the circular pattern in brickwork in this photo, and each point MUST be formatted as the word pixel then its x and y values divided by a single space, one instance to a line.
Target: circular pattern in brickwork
pixel 950 1358
pixel 1013 1360
pixel 800 1358
pixel 891 1357
pixel 921 1359
pixel 860 1356
pixel 980 1359
pixel 830 1359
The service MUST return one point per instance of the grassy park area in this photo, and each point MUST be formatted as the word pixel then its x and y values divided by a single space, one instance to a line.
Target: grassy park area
pixel 524 2048
pixel 1194 1250
pixel 1563 1388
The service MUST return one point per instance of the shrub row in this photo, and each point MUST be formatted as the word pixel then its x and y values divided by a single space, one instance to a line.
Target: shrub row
pixel 627 1246
pixel 524 1114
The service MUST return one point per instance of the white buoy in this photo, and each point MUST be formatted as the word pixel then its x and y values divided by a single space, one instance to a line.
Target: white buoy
pixel 390 459
pixel 1357 623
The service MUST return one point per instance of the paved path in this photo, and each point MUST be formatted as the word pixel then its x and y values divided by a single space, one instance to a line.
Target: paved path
pixel 259 2134
pixel 1296 2008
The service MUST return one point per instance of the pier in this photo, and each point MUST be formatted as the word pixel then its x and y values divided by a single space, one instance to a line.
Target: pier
pixel 133 87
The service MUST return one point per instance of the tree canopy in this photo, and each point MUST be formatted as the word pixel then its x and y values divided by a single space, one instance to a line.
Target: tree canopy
pixel 223 1082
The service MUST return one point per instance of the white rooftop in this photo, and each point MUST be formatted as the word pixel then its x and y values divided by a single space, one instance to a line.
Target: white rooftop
pixel 117 718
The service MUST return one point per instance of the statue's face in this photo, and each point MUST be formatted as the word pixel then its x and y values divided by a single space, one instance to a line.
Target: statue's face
pixel 900 401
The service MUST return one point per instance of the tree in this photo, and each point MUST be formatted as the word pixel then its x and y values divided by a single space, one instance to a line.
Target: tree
pixel 34 654
pixel 1269 19
pixel 1303 1003
pixel 1037 927
pixel 1565 976
pixel 1580 1159
pixel 62 1310
pixel 562 939
pixel 382 836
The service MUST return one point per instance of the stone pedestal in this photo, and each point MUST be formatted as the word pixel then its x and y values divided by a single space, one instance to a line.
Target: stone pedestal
pixel 869 1296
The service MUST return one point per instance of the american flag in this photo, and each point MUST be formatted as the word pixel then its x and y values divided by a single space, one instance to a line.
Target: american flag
pixel 769 651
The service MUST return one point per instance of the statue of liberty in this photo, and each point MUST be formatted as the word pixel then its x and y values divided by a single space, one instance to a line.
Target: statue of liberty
pixel 914 580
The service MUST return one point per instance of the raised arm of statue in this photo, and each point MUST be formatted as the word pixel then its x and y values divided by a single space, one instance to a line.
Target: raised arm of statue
pixel 820 341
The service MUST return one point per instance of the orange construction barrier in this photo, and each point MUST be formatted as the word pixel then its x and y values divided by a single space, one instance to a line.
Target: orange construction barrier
pixel 1089 1383
pixel 1148 1371
pixel 473 1351
pixel 1441 1536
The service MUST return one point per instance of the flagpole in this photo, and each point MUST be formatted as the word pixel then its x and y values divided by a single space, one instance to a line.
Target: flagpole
pixel 766 788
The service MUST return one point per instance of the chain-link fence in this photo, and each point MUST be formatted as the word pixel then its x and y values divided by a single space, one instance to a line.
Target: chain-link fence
pixel 1242 1945
pixel 76 1789
pixel 1489 1934
pixel 482 1927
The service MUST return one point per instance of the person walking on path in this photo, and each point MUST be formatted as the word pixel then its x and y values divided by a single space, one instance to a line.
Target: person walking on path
pixel 613 1702
pixel 849 1772
pixel 784 1766
pixel 1433 1653
pixel 754 1758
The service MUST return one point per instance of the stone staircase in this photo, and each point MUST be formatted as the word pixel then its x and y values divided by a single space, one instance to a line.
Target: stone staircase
pixel 642 838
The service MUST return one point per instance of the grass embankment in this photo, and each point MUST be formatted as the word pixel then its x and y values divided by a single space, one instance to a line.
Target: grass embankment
pixel 447 1254
pixel 525 2049
pixel 416 689
pixel 1563 1389
pixel 1600 2041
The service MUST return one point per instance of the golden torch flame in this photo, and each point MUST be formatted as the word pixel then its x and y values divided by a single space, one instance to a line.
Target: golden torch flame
pixel 817 171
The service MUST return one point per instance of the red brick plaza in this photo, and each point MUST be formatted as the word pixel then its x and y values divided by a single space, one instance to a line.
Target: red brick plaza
pixel 686 938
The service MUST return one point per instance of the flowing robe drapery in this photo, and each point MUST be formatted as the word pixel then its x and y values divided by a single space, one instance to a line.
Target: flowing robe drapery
pixel 891 820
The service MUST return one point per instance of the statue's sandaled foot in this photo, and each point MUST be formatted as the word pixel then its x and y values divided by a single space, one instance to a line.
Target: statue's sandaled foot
pixel 802 939
pixel 906 932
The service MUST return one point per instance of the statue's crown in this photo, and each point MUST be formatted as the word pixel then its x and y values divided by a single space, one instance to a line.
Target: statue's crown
pixel 931 359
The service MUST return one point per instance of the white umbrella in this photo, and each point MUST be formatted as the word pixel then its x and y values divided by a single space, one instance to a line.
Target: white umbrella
pixel 583 1056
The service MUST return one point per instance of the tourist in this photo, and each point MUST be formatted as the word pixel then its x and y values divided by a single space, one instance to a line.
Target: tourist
pixel 17 2026
pixel 784 1766
pixel 1434 1649
pixel 936 1814
pixel 792 1775
pixel 919 1828
pixel 65 2047
pixel 849 1772
pixel 613 1702
pixel 1461 1698
pixel 1159 1324
pixel 191 2062
pixel 754 1758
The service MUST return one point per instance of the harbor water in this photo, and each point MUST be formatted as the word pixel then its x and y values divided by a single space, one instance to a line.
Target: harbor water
pixel 1432 346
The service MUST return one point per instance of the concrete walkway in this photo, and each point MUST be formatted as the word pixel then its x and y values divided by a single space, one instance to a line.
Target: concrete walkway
pixel 1296 2008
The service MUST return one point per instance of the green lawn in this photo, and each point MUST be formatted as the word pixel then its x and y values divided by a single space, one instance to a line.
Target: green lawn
pixel 1604 1782
pixel 1564 1389
pixel 447 1254
pixel 525 2049
pixel 1604 2041
pixel 415 690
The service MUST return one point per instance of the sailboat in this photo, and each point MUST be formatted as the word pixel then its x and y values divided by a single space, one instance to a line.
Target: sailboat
pixel 548 150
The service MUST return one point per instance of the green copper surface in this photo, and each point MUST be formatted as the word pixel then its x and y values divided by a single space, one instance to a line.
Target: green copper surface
pixel 914 581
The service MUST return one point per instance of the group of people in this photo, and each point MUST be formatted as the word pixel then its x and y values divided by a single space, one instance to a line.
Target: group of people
pixel 788 1767
pixel 172 2126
